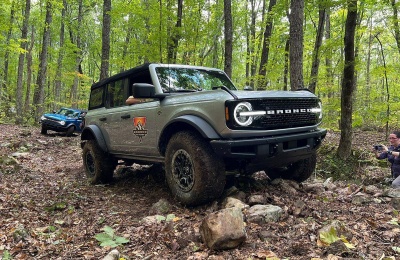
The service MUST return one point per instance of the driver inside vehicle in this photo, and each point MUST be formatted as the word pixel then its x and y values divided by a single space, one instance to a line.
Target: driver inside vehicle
pixel 132 100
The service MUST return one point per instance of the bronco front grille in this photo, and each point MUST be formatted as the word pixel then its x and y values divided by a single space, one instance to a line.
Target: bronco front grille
pixel 280 113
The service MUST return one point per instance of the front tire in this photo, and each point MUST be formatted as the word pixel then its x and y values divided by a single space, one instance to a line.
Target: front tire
pixel 194 173
pixel 70 131
pixel 298 171
pixel 43 130
pixel 99 167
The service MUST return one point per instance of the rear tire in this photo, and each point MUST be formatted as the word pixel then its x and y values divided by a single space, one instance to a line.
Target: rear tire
pixel 99 167
pixel 194 173
pixel 298 171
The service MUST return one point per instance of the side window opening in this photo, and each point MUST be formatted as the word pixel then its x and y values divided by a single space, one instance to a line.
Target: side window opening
pixel 96 98
pixel 115 94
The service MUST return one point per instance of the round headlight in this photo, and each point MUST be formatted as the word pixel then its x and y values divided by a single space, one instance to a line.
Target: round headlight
pixel 42 118
pixel 62 122
pixel 243 120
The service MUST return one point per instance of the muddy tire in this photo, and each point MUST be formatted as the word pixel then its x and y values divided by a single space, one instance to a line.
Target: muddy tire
pixel 70 130
pixel 99 167
pixel 298 171
pixel 43 130
pixel 194 173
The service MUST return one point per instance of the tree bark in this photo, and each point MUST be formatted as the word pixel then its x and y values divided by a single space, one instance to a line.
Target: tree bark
pixel 57 83
pixel 265 47
pixel 29 62
pixel 78 59
pixel 38 96
pixel 396 24
pixel 348 83
pixel 317 46
pixel 4 95
pixel 176 35
pixel 105 47
pixel 228 32
pixel 296 18
pixel 21 61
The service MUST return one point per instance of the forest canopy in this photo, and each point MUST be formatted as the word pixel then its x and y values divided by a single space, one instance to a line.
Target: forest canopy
pixel 51 51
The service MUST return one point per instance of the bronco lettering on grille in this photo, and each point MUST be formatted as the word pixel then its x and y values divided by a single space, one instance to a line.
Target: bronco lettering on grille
pixel 289 111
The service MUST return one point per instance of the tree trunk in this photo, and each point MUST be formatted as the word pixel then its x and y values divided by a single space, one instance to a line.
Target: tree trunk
pixel 265 47
pixel 29 62
pixel 296 18
pixel 105 47
pixel 317 45
pixel 348 83
pixel 21 60
pixel 396 24
pixel 4 95
pixel 228 37
pixel 38 96
pixel 57 83
pixel 78 58
pixel 176 35
pixel 286 68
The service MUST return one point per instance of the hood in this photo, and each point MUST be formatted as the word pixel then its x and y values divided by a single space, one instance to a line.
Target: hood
pixel 273 94
pixel 57 117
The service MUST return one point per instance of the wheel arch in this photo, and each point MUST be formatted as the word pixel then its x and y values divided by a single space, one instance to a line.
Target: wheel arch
pixel 93 132
pixel 188 123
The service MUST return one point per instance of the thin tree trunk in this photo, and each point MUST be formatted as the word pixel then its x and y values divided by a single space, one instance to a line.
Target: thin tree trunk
pixel 265 46
pixel 78 59
pixel 348 83
pixel 4 95
pixel 317 46
pixel 105 47
pixel 176 35
pixel 38 96
pixel 228 37
pixel 286 68
pixel 21 61
pixel 296 18
pixel 396 24
pixel 29 62
pixel 57 83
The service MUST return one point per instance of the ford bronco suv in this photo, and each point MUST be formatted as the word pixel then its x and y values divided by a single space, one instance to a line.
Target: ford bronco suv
pixel 66 120
pixel 201 127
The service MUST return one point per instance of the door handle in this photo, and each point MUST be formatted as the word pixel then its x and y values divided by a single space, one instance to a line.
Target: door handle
pixel 103 118
pixel 126 116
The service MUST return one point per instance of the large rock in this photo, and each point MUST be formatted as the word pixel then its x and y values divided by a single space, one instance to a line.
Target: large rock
pixel 230 202
pixel 263 213
pixel 223 229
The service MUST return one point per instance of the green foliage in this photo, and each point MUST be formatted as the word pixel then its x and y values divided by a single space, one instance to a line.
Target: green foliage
pixel 6 255
pixel 108 238
pixel 330 237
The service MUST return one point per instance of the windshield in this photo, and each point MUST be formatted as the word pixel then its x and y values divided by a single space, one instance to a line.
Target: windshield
pixel 191 79
pixel 68 112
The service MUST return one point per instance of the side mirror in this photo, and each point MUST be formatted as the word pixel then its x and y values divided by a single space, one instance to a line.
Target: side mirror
pixel 142 90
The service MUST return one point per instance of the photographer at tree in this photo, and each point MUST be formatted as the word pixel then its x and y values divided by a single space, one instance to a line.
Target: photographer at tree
pixel 392 153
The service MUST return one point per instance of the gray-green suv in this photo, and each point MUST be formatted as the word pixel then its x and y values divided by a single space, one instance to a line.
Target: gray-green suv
pixel 200 126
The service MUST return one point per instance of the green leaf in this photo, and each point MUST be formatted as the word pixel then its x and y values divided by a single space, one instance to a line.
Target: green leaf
pixel 329 237
pixel 121 240
pixel 109 243
pixel 160 218
pixel 109 231
pixel 170 217
pixel 103 237
pixel 396 249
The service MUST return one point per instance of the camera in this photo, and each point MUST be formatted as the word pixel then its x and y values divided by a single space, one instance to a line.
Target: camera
pixel 378 147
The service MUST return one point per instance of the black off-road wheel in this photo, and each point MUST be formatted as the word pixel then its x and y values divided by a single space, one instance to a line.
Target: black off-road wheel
pixel 43 130
pixel 298 171
pixel 99 167
pixel 70 130
pixel 194 173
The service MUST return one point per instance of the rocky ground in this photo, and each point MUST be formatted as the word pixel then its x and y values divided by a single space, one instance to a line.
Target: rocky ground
pixel 49 211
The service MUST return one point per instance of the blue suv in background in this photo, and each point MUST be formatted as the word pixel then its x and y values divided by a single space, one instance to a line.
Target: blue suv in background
pixel 68 120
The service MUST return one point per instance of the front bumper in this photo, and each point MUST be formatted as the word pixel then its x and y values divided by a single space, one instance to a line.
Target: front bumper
pixel 268 152
pixel 54 125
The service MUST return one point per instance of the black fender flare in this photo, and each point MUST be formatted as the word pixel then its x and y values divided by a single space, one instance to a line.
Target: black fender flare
pixel 201 125
pixel 94 130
